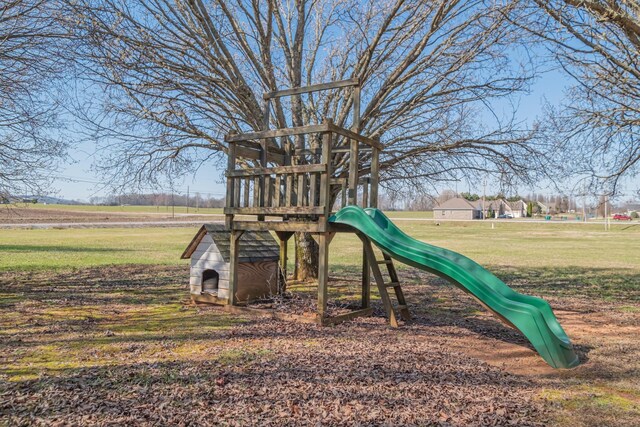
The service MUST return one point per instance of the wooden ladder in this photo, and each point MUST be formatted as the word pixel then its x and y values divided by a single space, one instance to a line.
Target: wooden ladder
pixel 384 286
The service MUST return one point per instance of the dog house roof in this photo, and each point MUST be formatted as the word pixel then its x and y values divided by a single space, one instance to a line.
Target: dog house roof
pixel 254 245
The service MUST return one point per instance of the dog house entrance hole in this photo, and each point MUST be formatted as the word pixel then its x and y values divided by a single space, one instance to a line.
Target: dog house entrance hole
pixel 210 281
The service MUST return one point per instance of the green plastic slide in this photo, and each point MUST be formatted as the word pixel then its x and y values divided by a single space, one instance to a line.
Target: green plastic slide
pixel 530 315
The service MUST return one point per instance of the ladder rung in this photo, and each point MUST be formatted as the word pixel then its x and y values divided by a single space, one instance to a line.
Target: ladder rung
pixel 385 261
pixel 392 284
pixel 402 306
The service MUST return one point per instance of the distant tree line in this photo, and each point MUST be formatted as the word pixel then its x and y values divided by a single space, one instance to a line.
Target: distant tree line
pixel 160 199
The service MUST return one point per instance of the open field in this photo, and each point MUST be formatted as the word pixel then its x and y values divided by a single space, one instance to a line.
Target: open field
pixel 96 327
pixel 164 210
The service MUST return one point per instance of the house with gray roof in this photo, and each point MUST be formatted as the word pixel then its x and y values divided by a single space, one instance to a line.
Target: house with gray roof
pixel 209 251
pixel 457 208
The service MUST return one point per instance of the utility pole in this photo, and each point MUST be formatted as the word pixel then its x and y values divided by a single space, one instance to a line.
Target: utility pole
pixel 606 214
pixel 584 209
pixel 187 199
pixel 484 195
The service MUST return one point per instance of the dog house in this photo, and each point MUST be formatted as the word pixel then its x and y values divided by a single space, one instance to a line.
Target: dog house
pixel 209 251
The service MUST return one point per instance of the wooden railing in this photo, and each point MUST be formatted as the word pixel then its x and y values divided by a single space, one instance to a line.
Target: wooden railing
pixel 300 181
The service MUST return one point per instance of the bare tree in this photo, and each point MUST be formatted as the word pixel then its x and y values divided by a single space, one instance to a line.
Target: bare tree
pixel 30 58
pixel 180 74
pixel 597 42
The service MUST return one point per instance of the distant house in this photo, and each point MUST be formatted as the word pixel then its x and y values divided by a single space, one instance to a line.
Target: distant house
pixel 518 208
pixel 548 208
pixel 457 208
pixel 496 207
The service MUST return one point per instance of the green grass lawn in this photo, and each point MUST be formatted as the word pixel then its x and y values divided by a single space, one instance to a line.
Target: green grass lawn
pixel 553 257
pixel 79 248
pixel 507 245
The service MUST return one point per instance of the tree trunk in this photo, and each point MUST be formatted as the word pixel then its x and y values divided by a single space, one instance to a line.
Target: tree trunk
pixel 306 257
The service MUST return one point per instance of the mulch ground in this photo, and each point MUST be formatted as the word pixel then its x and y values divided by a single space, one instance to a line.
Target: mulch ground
pixel 178 369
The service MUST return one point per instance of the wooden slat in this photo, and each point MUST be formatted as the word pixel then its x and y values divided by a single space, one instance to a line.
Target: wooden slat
pixel 353 174
pixel 256 192
pixel 302 130
pixel 382 290
pixel 310 227
pixel 334 320
pixel 231 165
pixel 278 170
pixel 236 191
pixel 301 193
pixel 356 109
pixel 276 133
pixel 325 188
pixel 266 114
pixel 375 170
pixel 257 146
pixel 267 190
pixel 313 190
pixel 284 210
pixel 247 185
pixel 249 153
pixel 311 88
pixel 365 194
pixel 278 192
pixel 361 147
pixel 352 135
pixel 288 190
pixel 395 283
pixel 338 181
pixel 261 312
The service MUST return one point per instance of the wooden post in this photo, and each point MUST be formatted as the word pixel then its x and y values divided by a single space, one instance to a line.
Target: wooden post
pixel 325 177
pixel 267 111
pixel 375 176
pixel 231 166
pixel 284 237
pixel 356 109
pixel 263 163
pixel 353 173
pixel 233 265
pixel 366 279
pixel 382 290
pixel 365 193
pixel 263 157
pixel 323 275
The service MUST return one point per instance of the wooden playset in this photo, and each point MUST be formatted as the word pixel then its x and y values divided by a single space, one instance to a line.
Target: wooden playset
pixel 297 174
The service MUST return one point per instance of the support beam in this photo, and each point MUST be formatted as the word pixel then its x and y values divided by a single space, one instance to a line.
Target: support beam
pixel 323 274
pixel 377 274
pixel 284 237
pixel 375 176
pixel 312 88
pixel 233 265
pixel 366 279
pixel 231 166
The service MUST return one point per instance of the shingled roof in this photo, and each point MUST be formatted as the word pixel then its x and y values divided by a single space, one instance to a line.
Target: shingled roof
pixel 457 203
pixel 254 245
